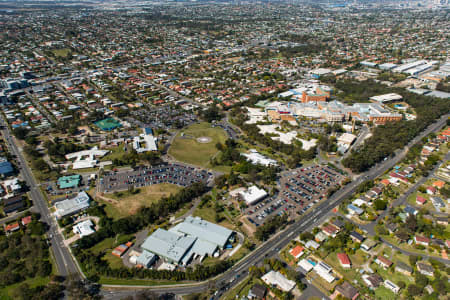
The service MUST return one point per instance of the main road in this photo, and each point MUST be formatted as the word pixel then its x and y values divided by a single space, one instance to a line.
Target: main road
pixel 62 256
pixel 270 248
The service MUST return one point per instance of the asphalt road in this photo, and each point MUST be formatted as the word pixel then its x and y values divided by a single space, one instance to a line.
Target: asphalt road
pixel 62 255
pixel 270 248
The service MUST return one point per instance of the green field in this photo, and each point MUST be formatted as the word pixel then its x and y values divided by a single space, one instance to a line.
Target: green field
pixel 125 203
pixel 64 52
pixel 186 148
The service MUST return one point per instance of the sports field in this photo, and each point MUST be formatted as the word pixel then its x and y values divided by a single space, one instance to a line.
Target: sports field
pixel 108 124
pixel 187 148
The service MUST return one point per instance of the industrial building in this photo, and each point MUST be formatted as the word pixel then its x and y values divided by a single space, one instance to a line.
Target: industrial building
pixel 188 240
pixel 72 206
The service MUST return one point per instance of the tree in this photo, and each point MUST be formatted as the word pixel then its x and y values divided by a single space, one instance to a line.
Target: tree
pixel 414 290
pixel 380 204
pixel 20 132
pixel 421 280
pixel 412 260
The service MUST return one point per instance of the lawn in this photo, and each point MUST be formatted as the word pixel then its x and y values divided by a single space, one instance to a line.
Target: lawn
pixel 110 243
pixel 122 204
pixel 113 261
pixel 383 293
pixel 187 149
pixel 208 213
pixel 108 280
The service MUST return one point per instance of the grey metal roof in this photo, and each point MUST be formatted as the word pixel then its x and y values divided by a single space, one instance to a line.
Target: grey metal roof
pixel 204 230
pixel 145 258
pixel 168 244
pixel 70 206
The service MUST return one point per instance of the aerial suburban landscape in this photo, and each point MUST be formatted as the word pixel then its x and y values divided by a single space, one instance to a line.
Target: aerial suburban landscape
pixel 225 149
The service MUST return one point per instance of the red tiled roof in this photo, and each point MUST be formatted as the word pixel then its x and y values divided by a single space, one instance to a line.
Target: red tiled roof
pixel 343 258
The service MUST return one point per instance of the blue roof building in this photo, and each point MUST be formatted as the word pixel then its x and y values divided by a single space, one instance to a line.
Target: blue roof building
pixel 6 167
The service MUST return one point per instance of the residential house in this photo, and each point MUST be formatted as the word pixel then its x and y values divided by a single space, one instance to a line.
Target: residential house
pixel 442 221
pixel 410 211
pixel 425 269
pixel 338 224
pixel 344 260
pixel 403 268
pixel 346 290
pixel 383 261
pixel 439 184
pixel 431 190
pixel 373 280
pixel 297 251
pixel 420 200
pixel 312 245
pixel 320 237
pixel 392 227
pixel 330 230
pixel 421 240
pixel 26 220
pixel 437 202
pixel 276 279
pixel 257 291
pixel 324 271
pixel 392 286
pixel 12 227
pixel 356 237
pixel 368 244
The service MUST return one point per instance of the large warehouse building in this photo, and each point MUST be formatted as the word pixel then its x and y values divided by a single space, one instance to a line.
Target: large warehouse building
pixel 192 238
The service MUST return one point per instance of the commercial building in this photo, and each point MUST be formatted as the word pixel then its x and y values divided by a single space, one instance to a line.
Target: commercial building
pixel 192 238
pixel 72 206
pixel 385 98
pixel 252 195
pixel 203 230
pixel 168 245
pixel 146 259
pixel 258 159
pixel 6 167
pixel 84 228
pixel 146 138
pixel 68 182
pixel 86 158
pixel 276 279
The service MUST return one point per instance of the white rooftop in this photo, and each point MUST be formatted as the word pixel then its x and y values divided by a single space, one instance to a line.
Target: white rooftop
pixel 253 194
pixel 277 279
